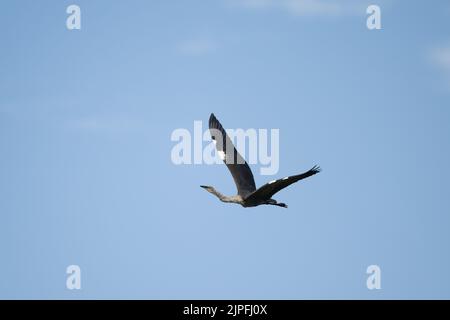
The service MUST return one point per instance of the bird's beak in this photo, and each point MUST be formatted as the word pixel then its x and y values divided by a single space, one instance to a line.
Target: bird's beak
pixel 204 187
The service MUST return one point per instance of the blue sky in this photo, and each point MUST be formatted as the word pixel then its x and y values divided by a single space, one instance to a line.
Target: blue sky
pixel 86 175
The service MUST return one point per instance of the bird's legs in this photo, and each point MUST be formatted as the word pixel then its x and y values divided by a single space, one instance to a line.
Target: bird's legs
pixel 275 203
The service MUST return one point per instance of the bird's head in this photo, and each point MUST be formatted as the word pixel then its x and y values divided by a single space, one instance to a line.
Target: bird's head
pixel 208 188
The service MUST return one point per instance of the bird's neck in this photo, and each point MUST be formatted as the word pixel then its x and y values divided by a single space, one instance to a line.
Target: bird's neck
pixel 222 197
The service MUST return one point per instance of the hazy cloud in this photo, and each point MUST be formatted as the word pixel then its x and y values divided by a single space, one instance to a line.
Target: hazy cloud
pixel 440 57
pixel 197 47
pixel 310 7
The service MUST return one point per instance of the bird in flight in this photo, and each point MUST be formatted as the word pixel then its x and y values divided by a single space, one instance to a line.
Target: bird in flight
pixel 248 195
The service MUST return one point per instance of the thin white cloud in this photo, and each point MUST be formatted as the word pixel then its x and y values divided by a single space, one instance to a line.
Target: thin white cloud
pixel 253 3
pixel 440 57
pixel 310 7
pixel 197 47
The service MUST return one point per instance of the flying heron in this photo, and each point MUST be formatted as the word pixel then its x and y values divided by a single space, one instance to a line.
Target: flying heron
pixel 248 195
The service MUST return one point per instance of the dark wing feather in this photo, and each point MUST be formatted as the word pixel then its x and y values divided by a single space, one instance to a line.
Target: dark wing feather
pixel 269 189
pixel 239 169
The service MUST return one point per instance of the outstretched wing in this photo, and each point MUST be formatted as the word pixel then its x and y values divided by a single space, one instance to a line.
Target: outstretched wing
pixel 269 189
pixel 242 175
